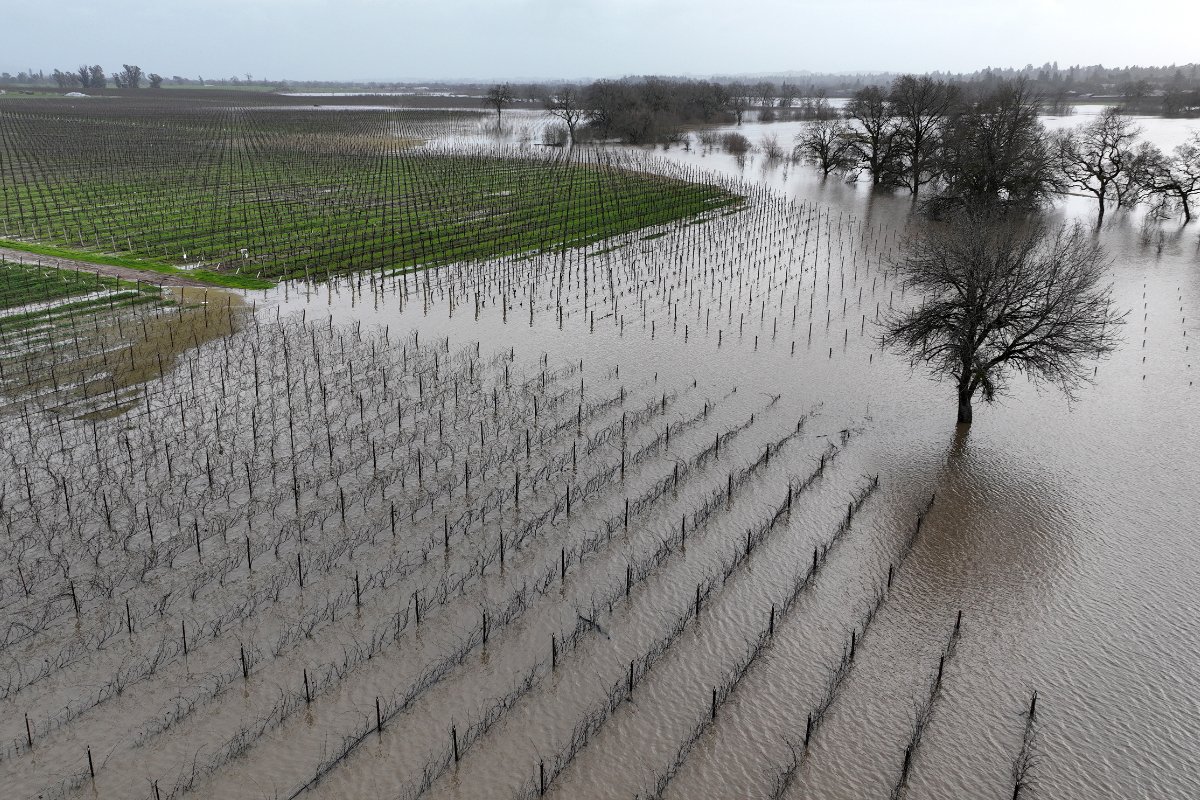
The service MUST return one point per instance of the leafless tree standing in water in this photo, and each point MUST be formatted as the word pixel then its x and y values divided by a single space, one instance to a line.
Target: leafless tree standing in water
pixel 498 97
pixel 1093 157
pixel 827 144
pixel 1173 182
pixel 996 154
pixel 739 101
pixel 876 134
pixel 566 105
pixel 1013 296
pixel 922 106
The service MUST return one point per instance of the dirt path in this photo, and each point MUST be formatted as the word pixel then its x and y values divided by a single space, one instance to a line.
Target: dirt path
pixel 124 273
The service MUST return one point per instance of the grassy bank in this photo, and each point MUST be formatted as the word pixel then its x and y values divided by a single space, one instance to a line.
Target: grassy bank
pixel 227 280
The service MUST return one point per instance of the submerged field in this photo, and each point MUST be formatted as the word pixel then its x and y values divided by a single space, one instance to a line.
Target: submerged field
pixel 651 516
pixel 276 193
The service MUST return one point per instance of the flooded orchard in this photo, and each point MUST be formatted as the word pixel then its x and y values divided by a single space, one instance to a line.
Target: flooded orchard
pixel 651 515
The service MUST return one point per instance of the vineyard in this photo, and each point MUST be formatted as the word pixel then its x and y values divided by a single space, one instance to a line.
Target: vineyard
pixel 608 501
pixel 274 193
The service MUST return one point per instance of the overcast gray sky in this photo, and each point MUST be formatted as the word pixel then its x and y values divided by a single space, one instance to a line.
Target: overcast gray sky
pixel 512 39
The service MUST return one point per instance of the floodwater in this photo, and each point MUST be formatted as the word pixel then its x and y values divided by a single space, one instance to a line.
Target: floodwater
pixel 516 407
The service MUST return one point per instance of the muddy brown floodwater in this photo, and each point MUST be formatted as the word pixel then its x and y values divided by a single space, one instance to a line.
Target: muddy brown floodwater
pixel 614 523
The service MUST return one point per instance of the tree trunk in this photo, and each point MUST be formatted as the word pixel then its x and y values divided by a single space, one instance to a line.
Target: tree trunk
pixel 1187 211
pixel 1100 216
pixel 964 407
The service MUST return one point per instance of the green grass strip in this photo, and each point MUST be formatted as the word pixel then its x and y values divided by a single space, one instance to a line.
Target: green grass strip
pixel 230 281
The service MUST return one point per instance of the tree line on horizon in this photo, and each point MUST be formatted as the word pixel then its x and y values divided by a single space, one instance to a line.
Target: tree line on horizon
pixel 967 143
pixel 130 76
pixel 1171 90
pixel 992 145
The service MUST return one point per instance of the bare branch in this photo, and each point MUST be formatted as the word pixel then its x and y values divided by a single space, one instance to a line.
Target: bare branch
pixel 1003 298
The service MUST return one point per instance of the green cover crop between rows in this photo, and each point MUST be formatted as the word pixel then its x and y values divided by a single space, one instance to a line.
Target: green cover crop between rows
pixel 237 196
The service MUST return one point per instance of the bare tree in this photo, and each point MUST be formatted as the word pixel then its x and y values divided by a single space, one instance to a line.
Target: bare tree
pixel 997 153
pixel 604 99
pixel 498 97
pixel 788 92
pixel 1135 182
pixel 566 105
pixel 1173 181
pixel 828 144
pixel 764 93
pixel 1094 156
pixel 922 105
pixel 874 139
pixel 739 100
pixel 85 76
pixel 1013 296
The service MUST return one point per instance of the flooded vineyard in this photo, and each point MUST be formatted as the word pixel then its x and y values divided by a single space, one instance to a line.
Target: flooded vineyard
pixel 651 515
